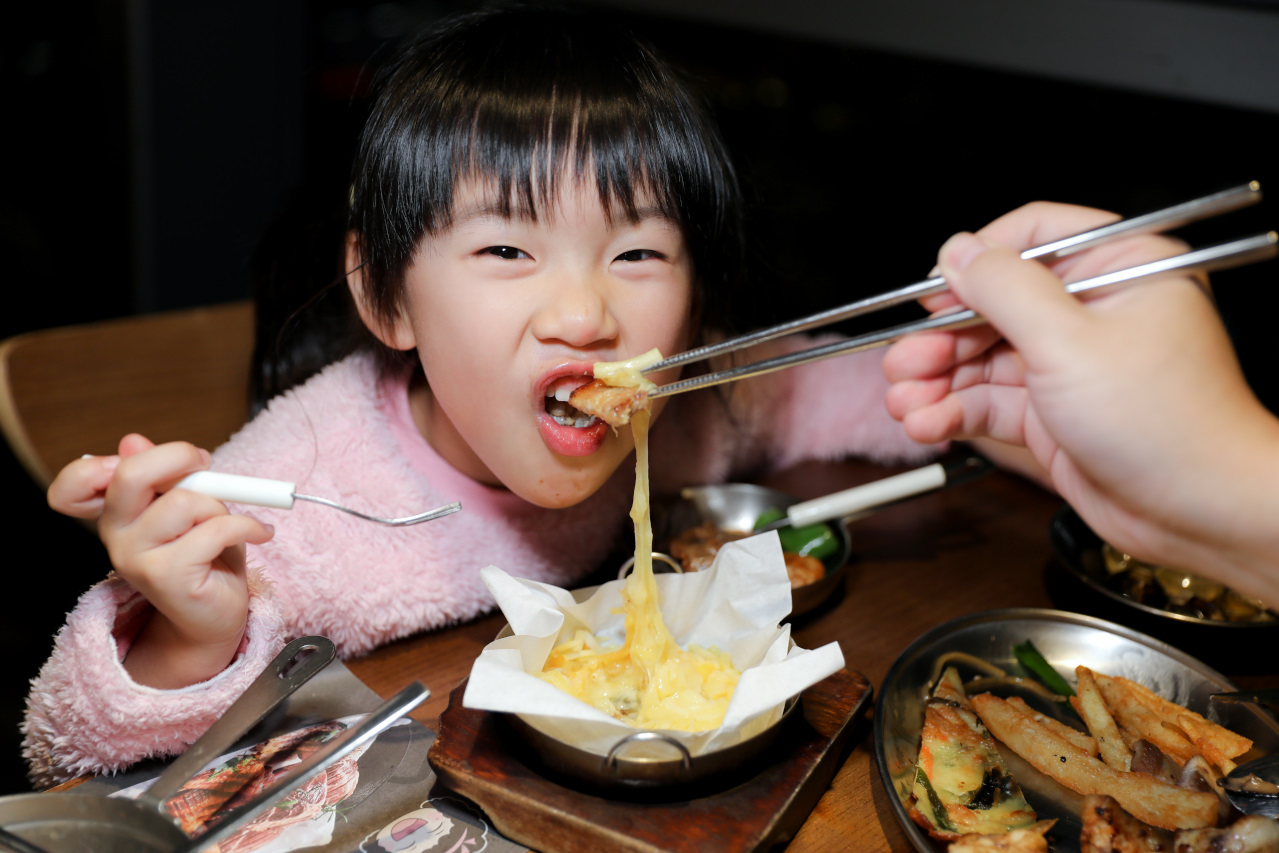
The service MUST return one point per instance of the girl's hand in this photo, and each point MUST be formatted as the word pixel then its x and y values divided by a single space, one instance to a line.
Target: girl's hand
pixel 1133 402
pixel 183 551
pixel 80 488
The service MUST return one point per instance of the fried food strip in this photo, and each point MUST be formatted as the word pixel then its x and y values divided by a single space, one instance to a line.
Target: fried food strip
pixel 1210 742
pixel 1086 742
pixel 1131 710
pixel 612 404
pixel 1226 742
pixel 1154 802
pixel 1091 707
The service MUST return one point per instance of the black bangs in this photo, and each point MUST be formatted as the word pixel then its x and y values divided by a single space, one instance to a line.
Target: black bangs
pixel 521 100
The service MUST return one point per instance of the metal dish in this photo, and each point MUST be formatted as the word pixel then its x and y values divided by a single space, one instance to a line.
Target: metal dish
pixel 1076 581
pixel 736 506
pixel 645 761
pixel 1065 639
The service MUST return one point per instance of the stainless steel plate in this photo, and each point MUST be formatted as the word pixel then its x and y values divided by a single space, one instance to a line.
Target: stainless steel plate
pixel 1066 640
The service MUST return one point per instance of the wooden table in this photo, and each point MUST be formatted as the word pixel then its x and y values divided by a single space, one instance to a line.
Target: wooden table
pixel 977 546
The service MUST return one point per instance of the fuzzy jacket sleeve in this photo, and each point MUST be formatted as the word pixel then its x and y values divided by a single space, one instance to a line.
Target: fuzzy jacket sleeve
pixel 86 715
pixel 825 410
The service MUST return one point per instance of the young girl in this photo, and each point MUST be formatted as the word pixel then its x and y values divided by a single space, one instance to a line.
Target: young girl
pixel 533 192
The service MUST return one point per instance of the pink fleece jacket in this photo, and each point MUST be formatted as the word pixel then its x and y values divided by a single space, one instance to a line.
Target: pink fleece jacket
pixel 347 435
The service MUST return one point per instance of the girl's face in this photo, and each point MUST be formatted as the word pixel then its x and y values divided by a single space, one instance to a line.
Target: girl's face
pixel 506 311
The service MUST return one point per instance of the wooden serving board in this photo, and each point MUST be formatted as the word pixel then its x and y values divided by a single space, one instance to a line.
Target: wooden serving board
pixel 473 756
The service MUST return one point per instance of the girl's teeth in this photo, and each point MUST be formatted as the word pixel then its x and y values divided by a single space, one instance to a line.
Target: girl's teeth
pixel 565 415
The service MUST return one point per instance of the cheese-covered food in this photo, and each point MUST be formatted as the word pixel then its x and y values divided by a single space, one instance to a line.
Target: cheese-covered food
pixel 962 785
pixel 648 681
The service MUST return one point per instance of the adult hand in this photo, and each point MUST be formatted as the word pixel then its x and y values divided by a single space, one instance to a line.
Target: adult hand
pixel 1133 402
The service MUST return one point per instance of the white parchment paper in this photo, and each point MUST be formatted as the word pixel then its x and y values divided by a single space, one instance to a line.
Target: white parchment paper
pixel 735 606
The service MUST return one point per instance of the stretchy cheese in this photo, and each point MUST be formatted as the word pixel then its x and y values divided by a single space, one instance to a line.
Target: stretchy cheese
pixel 649 681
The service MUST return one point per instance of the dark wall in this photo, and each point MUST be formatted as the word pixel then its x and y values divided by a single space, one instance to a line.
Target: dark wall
pixel 154 141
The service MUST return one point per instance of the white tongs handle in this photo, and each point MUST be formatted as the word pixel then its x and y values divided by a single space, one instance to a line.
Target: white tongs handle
pixel 855 501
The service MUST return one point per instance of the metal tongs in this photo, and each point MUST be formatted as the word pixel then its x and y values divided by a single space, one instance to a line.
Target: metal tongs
pixel 1221 256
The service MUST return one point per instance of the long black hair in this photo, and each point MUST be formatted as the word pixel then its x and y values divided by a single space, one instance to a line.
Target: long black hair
pixel 521 99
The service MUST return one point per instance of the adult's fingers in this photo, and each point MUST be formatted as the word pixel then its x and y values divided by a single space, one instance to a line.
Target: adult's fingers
pixel 1042 222
pixel 1023 300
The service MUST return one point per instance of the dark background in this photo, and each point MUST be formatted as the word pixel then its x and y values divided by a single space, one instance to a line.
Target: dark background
pixel 152 143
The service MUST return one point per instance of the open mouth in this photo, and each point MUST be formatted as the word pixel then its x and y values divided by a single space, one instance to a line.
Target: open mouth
pixel 557 405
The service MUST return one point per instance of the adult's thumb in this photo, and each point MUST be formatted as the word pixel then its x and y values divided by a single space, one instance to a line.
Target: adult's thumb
pixel 1023 300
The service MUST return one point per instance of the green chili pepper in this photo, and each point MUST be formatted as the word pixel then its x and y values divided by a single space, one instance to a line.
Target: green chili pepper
pixel 811 540
pixel 1029 657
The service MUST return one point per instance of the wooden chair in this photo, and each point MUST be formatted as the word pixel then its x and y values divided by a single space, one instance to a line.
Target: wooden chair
pixel 69 391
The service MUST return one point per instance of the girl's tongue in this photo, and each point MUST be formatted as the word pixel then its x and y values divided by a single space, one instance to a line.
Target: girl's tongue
pixel 557 394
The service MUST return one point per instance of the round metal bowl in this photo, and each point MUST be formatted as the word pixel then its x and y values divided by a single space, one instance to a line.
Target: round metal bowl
pixel 736 506
pixel 1077 581
pixel 647 761
pixel 644 761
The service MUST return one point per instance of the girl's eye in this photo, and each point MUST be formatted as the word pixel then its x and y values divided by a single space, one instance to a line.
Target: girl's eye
pixel 640 255
pixel 506 253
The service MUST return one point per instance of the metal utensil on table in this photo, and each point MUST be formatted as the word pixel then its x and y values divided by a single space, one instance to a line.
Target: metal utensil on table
pixel 333 751
pixel 1248 799
pixel 63 822
pixel 281 494
pixel 1221 256
pixel 58 821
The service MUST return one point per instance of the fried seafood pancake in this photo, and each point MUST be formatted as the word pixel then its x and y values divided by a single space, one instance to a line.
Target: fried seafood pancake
pixel 962 785
pixel 612 404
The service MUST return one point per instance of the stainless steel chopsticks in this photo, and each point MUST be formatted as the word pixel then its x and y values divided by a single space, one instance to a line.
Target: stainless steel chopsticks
pixel 1221 256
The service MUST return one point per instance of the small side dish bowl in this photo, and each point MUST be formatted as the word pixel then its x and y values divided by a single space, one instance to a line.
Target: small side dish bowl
pixel 648 760
pixel 1079 581
pixel 735 507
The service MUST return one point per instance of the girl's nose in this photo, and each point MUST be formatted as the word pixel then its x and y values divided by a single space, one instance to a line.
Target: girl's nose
pixel 575 311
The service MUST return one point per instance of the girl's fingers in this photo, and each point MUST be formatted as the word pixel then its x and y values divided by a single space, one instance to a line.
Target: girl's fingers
pixel 211 539
pixel 177 516
pixel 133 443
pixel 79 489
pixel 140 477
pixel 174 574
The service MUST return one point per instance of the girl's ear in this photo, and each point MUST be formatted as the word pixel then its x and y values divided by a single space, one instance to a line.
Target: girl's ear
pixel 396 334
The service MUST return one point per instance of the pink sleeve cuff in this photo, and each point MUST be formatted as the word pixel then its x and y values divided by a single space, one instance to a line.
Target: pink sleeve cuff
pixel 86 715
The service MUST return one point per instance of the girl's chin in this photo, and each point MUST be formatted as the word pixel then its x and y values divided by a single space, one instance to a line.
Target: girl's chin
pixel 571 441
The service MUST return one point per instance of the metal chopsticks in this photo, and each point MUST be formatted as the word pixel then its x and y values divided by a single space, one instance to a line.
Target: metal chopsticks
pixel 1221 256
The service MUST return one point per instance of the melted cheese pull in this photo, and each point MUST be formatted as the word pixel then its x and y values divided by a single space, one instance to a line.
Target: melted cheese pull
pixel 649 681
